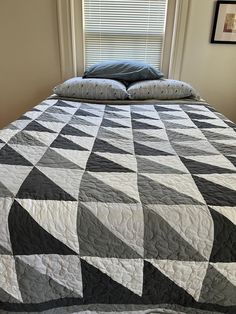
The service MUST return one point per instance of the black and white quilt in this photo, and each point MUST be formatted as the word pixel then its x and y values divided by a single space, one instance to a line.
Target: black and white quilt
pixel 118 209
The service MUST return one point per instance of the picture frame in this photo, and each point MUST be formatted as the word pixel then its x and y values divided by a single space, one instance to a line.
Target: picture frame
pixel 224 25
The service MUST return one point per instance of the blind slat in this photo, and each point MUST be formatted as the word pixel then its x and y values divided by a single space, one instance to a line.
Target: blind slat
pixel 124 29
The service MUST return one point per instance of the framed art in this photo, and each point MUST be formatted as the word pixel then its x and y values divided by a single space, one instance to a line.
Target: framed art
pixel 224 26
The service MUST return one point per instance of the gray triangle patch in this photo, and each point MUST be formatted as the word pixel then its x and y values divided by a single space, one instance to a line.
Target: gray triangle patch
pixel 22 138
pixel 54 160
pixel 149 166
pixel 161 194
pixel 93 234
pixel 36 287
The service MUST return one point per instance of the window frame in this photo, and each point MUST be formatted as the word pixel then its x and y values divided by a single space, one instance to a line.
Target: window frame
pixel 71 37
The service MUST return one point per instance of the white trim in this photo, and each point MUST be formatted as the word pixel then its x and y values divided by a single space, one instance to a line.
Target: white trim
pixel 78 27
pixel 169 30
pixel 65 33
pixel 179 38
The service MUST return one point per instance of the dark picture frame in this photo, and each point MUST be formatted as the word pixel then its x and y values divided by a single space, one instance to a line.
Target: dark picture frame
pixel 224 25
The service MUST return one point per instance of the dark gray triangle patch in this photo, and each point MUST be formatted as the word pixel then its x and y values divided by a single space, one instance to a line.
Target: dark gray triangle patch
pixel 61 103
pixel 215 194
pixel 54 160
pixel 105 193
pixel 62 142
pixel 98 163
pixel 23 138
pixel 111 124
pixel 144 150
pixel 224 148
pixel 104 147
pixel 198 116
pixel 69 130
pixel 206 125
pixel 210 135
pixel 85 113
pixel 39 187
pixel 36 287
pixel 110 108
pixel 9 156
pixel 113 115
pixel 161 194
pixel 162 109
pixel 135 115
pixel 232 159
pixel 96 240
pixel 162 242
pixel 149 166
pixel 145 126
pixel 224 245
pixel 217 289
pixel 35 126
pixel 197 167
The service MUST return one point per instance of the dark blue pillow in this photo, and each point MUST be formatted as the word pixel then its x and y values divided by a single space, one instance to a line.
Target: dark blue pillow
pixel 127 71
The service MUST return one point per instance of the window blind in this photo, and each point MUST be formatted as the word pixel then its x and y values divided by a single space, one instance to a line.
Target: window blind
pixel 124 29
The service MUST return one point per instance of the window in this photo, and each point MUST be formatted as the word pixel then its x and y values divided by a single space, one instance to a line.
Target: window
pixel 124 29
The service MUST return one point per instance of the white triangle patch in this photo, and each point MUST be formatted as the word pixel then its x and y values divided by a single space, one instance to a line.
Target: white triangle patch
pixel 127 161
pixel 8 278
pixel 43 137
pixel 31 153
pixel 64 269
pixel 187 275
pixel 59 218
pixel 127 272
pixel 5 206
pixel 68 179
pixel 124 182
pixel 129 229
pixel 195 226
pixel 228 212
pixel 13 176
pixel 182 183
pixel 228 270
pixel 78 157
pixel 7 134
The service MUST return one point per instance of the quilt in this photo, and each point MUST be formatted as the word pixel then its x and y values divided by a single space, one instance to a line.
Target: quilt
pixel 118 209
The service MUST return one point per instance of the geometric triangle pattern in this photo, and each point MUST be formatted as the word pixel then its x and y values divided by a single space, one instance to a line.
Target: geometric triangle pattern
pixel 118 208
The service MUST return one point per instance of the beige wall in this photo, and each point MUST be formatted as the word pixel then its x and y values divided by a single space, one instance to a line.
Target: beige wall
pixel 29 55
pixel 211 68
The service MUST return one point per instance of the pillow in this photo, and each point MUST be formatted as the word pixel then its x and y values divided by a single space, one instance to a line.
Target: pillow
pixel 126 71
pixel 101 89
pixel 162 89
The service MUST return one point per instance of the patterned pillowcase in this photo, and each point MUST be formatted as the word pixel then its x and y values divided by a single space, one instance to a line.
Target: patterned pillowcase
pixel 103 89
pixel 162 89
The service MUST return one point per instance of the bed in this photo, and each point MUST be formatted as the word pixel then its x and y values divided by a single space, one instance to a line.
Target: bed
pixel 125 207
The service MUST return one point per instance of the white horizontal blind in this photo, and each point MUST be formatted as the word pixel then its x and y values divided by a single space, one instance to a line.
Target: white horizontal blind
pixel 124 29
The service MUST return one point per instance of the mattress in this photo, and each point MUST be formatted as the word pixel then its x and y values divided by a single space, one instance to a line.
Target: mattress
pixel 112 208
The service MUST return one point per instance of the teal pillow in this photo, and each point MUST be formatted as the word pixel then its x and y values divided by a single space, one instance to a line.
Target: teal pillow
pixel 126 71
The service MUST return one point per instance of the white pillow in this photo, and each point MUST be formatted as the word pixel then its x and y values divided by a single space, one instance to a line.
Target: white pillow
pixel 161 89
pixel 91 88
